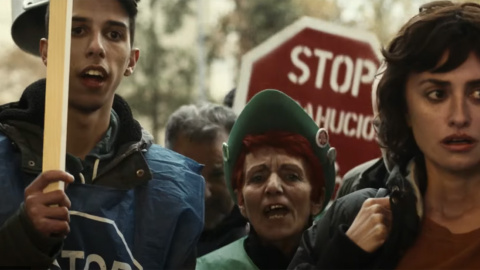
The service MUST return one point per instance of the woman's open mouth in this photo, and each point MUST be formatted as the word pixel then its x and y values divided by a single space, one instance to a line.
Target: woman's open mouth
pixel 276 211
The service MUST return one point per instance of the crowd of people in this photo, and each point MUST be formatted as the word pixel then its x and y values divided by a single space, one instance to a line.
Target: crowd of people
pixel 247 191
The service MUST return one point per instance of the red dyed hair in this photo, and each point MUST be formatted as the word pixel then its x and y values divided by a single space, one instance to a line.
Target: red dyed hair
pixel 293 144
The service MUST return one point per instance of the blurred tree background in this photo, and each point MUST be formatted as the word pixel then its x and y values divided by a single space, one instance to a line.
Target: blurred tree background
pixel 18 70
pixel 169 33
pixel 165 76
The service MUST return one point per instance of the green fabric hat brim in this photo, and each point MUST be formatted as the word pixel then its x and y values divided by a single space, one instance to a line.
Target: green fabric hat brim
pixel 272 110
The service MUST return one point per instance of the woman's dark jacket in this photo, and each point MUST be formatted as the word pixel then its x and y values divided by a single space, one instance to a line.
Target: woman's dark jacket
pixel 326 246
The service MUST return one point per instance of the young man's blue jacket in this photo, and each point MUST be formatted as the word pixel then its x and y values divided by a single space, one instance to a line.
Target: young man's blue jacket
pixel 135 205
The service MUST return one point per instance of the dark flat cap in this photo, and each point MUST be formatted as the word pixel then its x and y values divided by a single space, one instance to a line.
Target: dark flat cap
pixel 28 25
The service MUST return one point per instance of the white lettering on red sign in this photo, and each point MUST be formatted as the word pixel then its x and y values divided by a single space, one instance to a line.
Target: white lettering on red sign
pixel 357 71
pixel 350 124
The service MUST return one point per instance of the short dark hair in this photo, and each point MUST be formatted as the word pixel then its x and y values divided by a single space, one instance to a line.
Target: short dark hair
pixel 199 123
pixel 130 7
pixel 439 27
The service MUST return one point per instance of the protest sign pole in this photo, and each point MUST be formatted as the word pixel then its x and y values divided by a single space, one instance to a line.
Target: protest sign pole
pixel 56 97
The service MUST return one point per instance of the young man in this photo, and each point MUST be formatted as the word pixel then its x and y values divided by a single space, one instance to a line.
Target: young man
pixel 130 204
pixel 198 132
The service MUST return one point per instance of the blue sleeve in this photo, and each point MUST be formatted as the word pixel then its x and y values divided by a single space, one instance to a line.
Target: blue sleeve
pixel 20 244
pixel 181 205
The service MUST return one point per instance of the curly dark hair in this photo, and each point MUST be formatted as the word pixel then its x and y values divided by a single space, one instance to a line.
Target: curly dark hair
pixel 440 27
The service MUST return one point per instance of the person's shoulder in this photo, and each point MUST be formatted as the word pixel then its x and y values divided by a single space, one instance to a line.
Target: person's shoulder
pixel 358 196
pixel 370 174
pixel 358 170
pixel 156 151
pixel 4 140
pixel 231 256
pixel 350 204
pixel 179 174
pixel 227 249
pixel 160 156
pixel 3 137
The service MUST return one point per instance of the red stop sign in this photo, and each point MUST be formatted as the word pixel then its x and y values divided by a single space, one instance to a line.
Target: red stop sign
pixel 329 70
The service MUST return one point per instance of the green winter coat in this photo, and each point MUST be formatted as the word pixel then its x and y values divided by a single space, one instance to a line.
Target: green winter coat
pixel 231 256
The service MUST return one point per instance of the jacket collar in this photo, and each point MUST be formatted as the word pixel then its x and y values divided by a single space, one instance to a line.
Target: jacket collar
pixel 22 122
pixel 31 107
